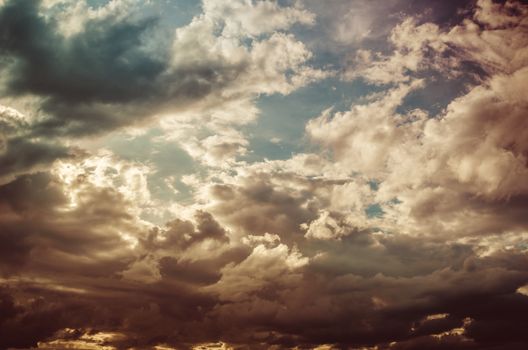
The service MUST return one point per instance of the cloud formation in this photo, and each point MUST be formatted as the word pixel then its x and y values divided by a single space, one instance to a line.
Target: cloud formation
pixel 110 71
pixel 399 222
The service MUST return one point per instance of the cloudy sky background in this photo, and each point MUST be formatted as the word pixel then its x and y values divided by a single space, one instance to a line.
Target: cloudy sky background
pixel 237 174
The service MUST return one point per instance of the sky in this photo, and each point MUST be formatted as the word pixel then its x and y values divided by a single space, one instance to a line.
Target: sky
pixel 247 174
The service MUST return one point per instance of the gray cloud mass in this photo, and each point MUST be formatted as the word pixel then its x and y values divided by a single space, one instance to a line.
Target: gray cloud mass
pixel 399 222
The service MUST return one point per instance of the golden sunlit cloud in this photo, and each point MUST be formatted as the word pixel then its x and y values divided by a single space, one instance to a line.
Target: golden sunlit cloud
pixel 257 174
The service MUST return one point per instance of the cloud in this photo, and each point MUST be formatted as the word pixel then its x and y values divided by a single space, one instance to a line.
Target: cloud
pixel 444 174
pixel 424 47
pixel 106 74
pixel 246 17
pixel 20 153
pixel 486 45
pixel 275 265
pixel 364 136
pixel 396 225
pixel 74 75
pixel 410 41
pixel 82 218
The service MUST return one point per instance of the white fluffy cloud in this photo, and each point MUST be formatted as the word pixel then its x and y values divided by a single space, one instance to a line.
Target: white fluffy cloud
pixel 461 172
pixel 244 40
pixel 494 39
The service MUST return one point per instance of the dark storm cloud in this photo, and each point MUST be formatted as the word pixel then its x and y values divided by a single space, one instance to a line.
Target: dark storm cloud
pixel 77 258
pixel 100 78
pixel 42 234
pixel 20 196
pixel 199 272
pixel 184 233
pixel 39 317
pixel 103 63
pixel 22 155
pixel 335 305
pixel 352 311
pixel 145 315
pixel 39 233
pixel 167 247
pixel 257 206
pixel 121 65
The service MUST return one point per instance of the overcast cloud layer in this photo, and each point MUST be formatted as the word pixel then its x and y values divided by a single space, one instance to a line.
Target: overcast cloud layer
pixel 243 174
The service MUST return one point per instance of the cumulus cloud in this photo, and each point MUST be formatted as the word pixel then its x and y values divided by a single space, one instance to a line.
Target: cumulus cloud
pixel 424 47
pixel 246 17
pixel 73 210
pixel 450 173
pixel 410 42
pixel 105 72
pixel 75 70
pixel 395 225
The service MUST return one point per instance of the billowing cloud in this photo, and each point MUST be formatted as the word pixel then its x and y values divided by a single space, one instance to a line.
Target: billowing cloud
pixel 458 168
pixel 140 208
pixel 108 72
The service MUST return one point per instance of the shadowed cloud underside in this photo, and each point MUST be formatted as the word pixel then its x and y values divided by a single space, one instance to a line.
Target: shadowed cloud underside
pixel 254 174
